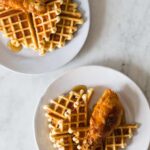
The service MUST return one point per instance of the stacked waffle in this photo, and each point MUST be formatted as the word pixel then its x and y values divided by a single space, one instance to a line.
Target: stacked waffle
pixel 43 32
pixel 66 114
pixel 68 123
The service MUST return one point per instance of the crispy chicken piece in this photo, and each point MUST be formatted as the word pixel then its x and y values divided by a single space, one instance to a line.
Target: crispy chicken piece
pixel 106 116
pixel 36 6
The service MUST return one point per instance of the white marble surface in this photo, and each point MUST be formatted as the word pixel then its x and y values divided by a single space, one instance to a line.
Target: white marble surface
pixel 119 38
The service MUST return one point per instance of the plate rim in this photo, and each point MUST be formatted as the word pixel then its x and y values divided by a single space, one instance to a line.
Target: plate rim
pixel 85 67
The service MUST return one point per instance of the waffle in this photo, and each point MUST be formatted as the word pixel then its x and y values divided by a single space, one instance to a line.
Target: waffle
pixel 63 142
pixel 79 139
pixel 89 91
pixel 70 18
pixel 59 123
pixel 63 105
pixel 70 8
pixel 118 139
pixel 42 32
pixel 17 26
pixel 45 24
pixel 79 135
pixel 77 118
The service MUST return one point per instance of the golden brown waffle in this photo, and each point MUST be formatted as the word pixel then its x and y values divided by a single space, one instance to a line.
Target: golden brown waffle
pixel 63 142
pixel 118 139
pixel 54 122
pixel 63 105
pixel 76 117
pixel 79 136
pixel 69 8
pixel 45 23
pixel 31 30
pixel 42 32
pixel 17 26
pixel 70 18
pixel 62 126
pixel 89 91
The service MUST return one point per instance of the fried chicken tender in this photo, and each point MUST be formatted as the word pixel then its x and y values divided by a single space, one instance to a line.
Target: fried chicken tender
pixel 106 116
pixel 36 6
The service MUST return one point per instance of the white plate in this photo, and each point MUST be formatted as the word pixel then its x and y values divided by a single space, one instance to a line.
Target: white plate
pixel 135 103
pixel 27 61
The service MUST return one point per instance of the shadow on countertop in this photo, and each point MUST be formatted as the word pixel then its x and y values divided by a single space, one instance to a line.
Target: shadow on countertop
pixel 97 8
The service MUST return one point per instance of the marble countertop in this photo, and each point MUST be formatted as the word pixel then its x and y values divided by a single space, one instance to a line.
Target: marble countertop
pixel 119 38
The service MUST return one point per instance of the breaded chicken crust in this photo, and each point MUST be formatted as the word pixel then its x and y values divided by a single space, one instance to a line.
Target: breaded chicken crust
pixel 106 116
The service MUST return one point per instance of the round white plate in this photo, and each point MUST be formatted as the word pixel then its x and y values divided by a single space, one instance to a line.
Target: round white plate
pixel 28 61
pixel 100 78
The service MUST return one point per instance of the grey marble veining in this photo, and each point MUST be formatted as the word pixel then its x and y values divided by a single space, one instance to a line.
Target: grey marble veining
pixel 119 38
